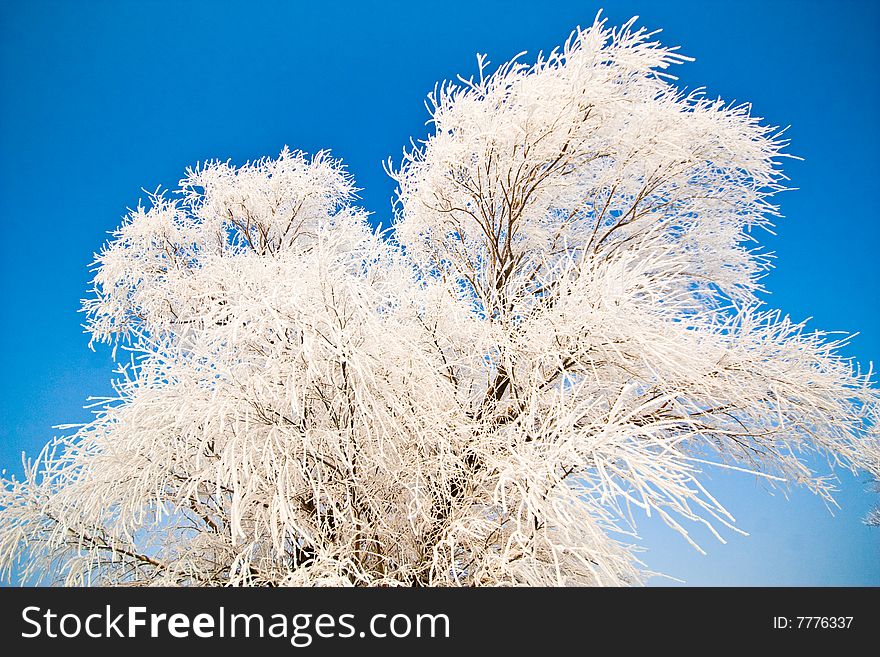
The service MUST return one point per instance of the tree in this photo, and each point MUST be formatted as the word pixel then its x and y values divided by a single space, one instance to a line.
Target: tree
pixel 561 331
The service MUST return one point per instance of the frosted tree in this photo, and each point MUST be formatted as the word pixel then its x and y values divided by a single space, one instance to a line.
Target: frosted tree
pixel 561 333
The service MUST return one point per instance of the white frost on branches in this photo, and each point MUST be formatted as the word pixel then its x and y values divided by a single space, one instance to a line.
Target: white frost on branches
pixel 561 332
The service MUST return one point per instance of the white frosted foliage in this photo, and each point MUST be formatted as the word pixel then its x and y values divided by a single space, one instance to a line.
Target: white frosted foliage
pixel 561 332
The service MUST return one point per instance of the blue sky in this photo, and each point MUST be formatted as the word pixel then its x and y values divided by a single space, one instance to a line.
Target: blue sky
pixel 101 99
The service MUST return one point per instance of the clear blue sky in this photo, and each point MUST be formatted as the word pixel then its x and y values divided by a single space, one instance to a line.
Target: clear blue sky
pixel 100 99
